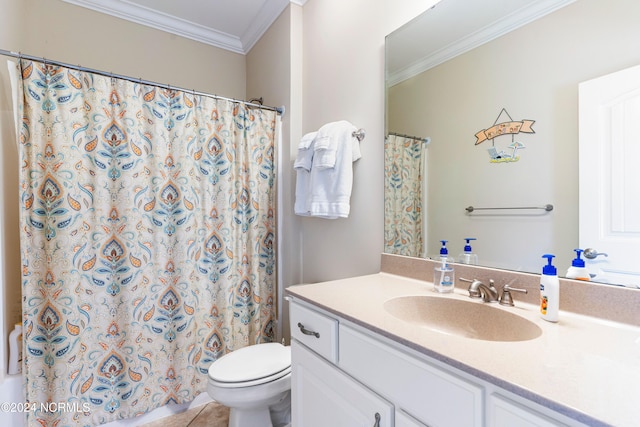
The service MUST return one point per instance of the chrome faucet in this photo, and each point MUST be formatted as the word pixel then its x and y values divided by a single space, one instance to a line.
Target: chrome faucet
pixel 477 289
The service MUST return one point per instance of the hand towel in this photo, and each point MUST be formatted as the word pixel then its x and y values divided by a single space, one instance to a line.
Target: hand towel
pixel 302 165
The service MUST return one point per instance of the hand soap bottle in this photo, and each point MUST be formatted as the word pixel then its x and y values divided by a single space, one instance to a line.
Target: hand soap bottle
pixel 468 257
pixel 549 291
pixel 443 278
pixel 578 270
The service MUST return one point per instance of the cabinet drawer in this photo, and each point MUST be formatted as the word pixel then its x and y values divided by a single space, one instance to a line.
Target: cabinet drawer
pixel 429 394
pixel 315 330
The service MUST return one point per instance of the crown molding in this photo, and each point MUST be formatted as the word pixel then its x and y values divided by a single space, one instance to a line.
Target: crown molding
pixel 268 14
pixel 490 32
pixel 171 24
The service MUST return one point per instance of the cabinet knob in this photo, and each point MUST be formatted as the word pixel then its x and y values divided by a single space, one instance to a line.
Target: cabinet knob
pixel 377 418
pixel 307 331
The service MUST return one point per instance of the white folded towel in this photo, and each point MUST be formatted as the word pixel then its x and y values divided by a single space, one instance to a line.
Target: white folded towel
pixel 302 165
pixel 329 138
pixel 331 176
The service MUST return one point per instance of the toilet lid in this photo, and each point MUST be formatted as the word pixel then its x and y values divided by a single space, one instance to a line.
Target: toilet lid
pixel 251 363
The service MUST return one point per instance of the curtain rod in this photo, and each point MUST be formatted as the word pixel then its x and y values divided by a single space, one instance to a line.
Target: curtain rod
pixel 425 140
pixel 279 110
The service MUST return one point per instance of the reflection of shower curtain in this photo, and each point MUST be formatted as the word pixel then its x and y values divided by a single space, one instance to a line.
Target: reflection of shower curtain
pixel 403 196
pixel 147 221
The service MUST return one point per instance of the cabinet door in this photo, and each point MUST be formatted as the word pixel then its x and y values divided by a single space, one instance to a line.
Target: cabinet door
pixel 404 420
pixel 432 395
pixel 505 413
pixel 322 396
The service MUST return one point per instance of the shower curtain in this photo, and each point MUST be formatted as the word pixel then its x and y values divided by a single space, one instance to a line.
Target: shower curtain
pixel 147 230
pixel 403 195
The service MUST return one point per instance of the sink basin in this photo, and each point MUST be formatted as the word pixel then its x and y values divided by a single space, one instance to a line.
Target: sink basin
pixel 468 319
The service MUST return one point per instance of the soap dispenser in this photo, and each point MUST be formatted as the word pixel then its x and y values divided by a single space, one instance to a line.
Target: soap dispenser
pixel 468 257
pixel 549 291
pixel 578 270
pixel 443 278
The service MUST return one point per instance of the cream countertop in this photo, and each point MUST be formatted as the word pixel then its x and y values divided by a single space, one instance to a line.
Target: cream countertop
pixel 583 367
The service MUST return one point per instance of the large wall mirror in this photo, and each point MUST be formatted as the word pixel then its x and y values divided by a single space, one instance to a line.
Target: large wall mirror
pixel 482 103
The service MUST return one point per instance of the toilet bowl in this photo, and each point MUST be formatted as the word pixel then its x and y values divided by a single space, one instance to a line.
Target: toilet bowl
pixel 255 383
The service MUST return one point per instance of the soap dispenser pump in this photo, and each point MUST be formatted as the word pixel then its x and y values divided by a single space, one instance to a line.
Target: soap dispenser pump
pixel 468 257
pixel 549 291
pixel 443 279
pixel 578 270
pixel 444 252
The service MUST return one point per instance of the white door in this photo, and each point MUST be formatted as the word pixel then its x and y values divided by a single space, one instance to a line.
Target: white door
pixel 609 154
pixel 323 396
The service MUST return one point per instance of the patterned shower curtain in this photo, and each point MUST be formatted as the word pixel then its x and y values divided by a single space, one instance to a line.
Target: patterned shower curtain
pixel 403 167
pixel 147 231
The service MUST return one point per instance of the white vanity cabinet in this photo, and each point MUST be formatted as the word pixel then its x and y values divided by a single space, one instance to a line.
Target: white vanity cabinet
pixel 346 375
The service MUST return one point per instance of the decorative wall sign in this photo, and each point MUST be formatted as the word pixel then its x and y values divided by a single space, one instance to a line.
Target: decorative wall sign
pixel 510 127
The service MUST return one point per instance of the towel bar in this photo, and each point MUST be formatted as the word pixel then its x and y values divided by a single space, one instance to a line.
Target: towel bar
pixel 359 134
pixel 547 208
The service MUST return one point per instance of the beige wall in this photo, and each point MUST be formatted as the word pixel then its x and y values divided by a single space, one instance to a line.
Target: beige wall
pixel 77 35
pixel 534 73
pixel 323 75
pixel 343 68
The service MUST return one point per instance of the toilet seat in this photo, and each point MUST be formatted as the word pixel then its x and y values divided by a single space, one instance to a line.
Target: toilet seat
pixel 257 381
pixel 252 365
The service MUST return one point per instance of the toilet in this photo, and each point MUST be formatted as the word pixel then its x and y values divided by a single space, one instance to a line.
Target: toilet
pixel 255 383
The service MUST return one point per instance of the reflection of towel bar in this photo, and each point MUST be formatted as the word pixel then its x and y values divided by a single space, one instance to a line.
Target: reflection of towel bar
pixel 358 134
pixel 547 208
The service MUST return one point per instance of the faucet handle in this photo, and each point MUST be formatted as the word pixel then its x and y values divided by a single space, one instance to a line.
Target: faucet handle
pixel 505 298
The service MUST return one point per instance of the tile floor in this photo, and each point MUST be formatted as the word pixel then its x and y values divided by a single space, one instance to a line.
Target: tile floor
pixel 209 415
